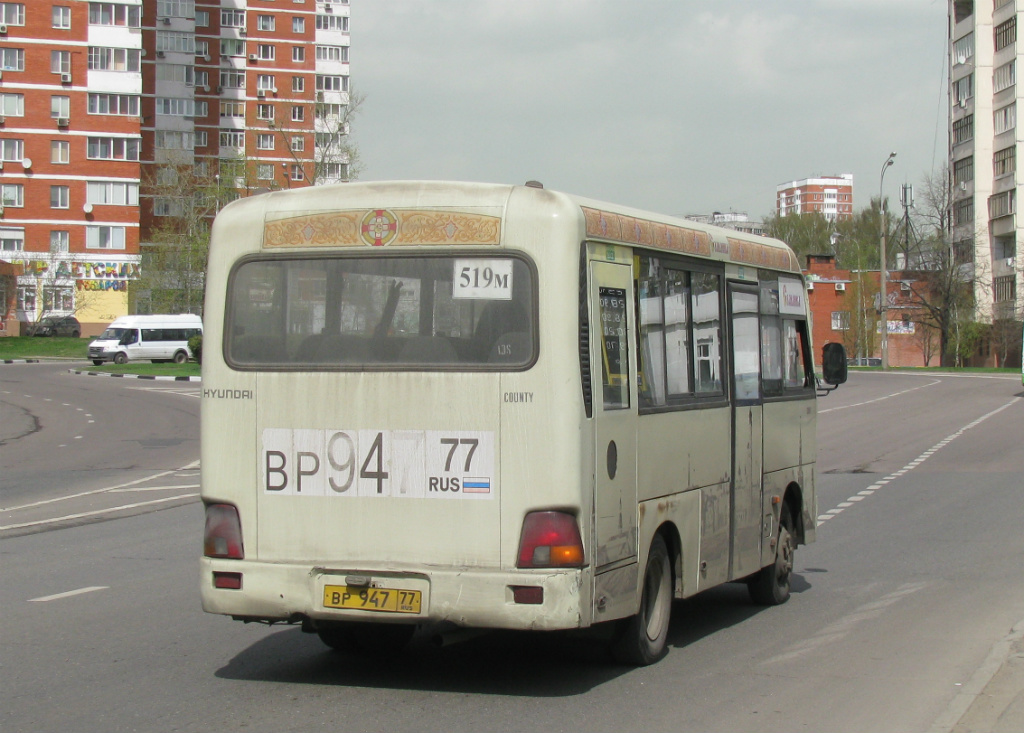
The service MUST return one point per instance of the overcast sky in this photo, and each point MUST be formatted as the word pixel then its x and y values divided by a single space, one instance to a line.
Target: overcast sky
pixel 676 106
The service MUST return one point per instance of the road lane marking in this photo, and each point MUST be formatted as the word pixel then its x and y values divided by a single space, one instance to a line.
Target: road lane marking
pixel 144 479
pixel 175 487
pixel 914 463
pixel 68 594
pixel 879 399
pixel 108 510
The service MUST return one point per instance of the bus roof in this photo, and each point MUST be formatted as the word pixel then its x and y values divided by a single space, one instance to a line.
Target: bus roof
pixel 391 213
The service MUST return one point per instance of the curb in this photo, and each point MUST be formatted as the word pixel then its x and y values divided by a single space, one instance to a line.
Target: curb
pixel 974 690
pixel 20 361
pixel 152 377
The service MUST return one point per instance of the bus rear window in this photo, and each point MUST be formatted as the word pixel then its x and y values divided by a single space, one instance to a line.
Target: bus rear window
pixel 382 312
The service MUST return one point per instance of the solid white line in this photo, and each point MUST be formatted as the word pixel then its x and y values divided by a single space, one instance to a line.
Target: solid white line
pixel 81 515
pixel 142 480
pixel 176 487
pixel 68 594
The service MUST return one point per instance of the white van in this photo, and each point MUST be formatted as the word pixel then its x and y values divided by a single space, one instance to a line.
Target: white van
pixel 157 338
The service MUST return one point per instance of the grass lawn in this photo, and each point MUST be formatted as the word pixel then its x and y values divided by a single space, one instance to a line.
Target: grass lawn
pixel 70 349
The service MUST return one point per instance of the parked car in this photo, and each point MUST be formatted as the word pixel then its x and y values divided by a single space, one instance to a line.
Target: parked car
pixel 58 326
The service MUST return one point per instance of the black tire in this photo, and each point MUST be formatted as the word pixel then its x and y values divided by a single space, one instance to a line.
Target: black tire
pixel 76 334
pixel 370 639
pixel 97 362
pixel 771 585
pixel 121 358
pixel 180 357
pixel 642 639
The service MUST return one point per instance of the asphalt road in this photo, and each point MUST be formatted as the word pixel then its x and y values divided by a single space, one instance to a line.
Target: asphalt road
pixel 917 572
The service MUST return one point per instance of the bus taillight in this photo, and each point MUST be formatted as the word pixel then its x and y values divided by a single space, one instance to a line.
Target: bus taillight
pixel 223 535
pixel 550 540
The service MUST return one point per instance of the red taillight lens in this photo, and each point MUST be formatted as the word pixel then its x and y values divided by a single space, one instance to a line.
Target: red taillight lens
pixel 550 540
pixel 223 536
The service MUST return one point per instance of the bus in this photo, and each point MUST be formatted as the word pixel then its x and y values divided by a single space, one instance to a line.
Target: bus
pixel 445 407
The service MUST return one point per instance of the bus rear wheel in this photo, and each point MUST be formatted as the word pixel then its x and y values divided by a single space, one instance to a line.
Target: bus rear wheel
pixel 180 357
pixel 771 585
pixel 642 639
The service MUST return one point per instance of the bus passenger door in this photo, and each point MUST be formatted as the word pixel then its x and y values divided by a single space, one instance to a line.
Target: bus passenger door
pixel 745 517
pixel 613 375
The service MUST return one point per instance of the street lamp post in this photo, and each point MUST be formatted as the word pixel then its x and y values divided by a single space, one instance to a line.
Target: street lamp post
pixel 883 300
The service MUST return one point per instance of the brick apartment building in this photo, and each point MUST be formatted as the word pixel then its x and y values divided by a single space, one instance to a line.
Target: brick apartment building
pixel 843 309
pixel 831 196
pixel 97 98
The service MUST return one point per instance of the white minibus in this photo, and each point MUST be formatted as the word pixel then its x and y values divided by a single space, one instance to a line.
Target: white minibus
pixel 452 406
pixel 157 338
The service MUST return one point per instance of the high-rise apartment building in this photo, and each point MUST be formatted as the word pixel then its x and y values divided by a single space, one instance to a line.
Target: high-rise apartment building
pixel 983 143
pixel 103 104
pixel 830 196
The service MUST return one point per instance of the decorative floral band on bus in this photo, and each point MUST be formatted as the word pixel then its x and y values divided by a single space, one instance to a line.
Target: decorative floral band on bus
pixel 631 230
pixel 754 253
pixel 379 227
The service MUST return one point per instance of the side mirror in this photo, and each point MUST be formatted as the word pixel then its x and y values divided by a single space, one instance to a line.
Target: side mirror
pixel 833 363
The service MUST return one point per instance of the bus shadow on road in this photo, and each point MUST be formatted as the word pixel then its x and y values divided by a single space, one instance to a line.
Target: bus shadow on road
pixel 538 664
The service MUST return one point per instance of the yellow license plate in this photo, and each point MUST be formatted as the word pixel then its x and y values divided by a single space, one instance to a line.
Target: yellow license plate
pixel 393 600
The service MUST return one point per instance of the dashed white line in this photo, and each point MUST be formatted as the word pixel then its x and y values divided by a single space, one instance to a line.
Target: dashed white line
pixel 913 464
pixel 68 594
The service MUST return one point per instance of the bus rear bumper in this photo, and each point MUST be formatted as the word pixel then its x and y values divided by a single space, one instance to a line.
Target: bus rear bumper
pixel 471 598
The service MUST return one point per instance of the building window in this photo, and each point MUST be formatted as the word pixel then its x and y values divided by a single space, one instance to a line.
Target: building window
pixel 840 320
pixel 297 174
pixel 176 8
pixel 1005 118
pixel 12 13
pixel 60 106
pixel 963 129
pixel 1002 204
pixel 232 79
pixel 12 105
pixel 12 150
pixel 104 237
pixel 177 106
pixel 963 49
pixel 176 41
pixel 298 143
pixel 12 194
pixel 12 59
pixel 112 148
pixel 264 111
pixel 963 252
pixel 1004 77
pixel 114 59
pixel 298 113
pixel 963 212
pixel 202 19
pixel 100 193
pixel 114 104
pixel 266 23
pixel 963 89
pixel 1004 161
pixel 331 83
pixel 298 53
pixel 232 47
pixel 1006 33
pixel 963 170
pixel 58 298
pixel 12 240
pixel 60 197
pixel 264 141
pixel 298 25
pixel 266 82
pixel 60 62
pixel 232 109
pixel 232 138
pixel 27 298
pixel 332 53
pixel 59 240
pixel 325 22
pixel 232 18
pixel 175 139
pixel 115 14
pixel 298 83
pixel 60 151
pixel 265 52
pixel 1005 288
pixel 265 171
pixel 61 17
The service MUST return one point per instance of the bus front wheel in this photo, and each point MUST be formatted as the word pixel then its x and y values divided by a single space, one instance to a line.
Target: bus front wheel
pixel 121 358
pixel 642 639
pixel 180 357
pixel 771 585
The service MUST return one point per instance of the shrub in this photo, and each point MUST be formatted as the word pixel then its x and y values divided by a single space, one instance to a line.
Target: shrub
pixel 195 345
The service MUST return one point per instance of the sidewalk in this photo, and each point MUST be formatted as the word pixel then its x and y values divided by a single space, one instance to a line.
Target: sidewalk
pixel 993 700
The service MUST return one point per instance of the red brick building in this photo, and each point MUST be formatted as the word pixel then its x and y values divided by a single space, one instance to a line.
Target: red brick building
pixel 830 196
pixel 96 97
pixel 843 305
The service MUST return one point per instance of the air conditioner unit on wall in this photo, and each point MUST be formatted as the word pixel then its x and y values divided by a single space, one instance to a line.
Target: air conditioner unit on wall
pixel 3 28
pixel 840 287
pixel 261 93
pixel 63 122
pixel 65 78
